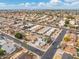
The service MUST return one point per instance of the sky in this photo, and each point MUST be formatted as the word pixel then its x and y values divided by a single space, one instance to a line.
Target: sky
pixel 39 4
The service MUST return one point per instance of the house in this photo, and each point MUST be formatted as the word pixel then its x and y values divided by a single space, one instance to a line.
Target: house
pixel 45 29
pixel 2 41
pixel 71 50
pixel 62 55
pixel 7 45
pixel 67 56
pixel 48 33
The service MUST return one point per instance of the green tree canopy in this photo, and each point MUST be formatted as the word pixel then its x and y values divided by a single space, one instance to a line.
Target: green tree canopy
pixel 2 52
pixel 47 39
pixel 19 35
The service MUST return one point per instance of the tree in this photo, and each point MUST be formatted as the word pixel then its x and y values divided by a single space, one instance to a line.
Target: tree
pixel 2 52
pixel 66 23
pixel 70 17
pixel 19 35
pixel 67 38
pixel 77 49
pixel 77 43
pixel 47 40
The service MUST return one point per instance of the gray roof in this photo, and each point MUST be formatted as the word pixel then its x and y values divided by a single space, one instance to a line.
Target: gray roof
pixel 1 37
pixel 67 56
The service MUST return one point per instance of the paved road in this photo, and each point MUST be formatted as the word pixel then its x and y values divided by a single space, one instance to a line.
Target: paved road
pixel 53 48
pixel 35 50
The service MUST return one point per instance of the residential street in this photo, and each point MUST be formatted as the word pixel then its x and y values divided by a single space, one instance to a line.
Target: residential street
pixel 53 48
pixel 35 50
pixel 50 52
